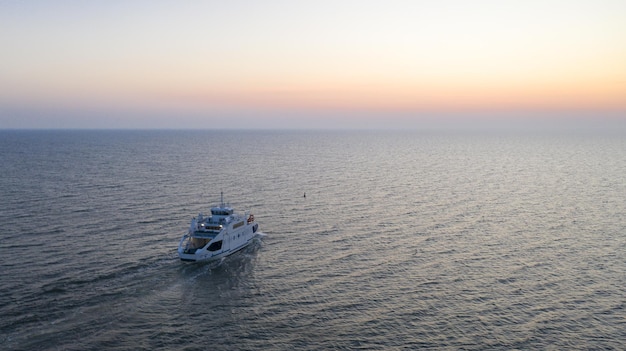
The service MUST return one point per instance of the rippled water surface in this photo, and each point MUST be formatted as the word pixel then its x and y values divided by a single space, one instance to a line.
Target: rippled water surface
pixel 405 240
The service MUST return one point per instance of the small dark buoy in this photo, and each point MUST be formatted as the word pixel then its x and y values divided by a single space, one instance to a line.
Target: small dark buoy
pixel 304 195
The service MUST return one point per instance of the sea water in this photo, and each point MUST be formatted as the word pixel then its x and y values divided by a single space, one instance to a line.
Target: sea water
pixel 405 240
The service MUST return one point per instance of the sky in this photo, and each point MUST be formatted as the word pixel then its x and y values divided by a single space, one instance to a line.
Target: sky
pixel 311 64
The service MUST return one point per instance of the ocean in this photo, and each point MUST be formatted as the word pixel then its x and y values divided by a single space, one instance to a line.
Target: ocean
pixel 406 240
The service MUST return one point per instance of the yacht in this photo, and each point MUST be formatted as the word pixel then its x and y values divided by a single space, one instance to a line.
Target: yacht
pixel 222 233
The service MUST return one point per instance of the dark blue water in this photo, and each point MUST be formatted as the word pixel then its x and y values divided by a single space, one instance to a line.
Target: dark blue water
pixel 405 240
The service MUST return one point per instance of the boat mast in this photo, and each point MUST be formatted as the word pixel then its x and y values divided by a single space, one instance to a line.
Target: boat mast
pixel 222 198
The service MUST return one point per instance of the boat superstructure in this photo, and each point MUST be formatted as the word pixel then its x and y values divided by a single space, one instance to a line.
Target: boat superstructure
pixel 218 235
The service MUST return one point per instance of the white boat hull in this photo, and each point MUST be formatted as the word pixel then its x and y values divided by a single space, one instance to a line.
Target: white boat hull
pixel 224 244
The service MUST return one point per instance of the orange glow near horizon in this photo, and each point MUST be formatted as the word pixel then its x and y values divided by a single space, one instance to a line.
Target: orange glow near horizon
pixel 438 95
pixel 449 89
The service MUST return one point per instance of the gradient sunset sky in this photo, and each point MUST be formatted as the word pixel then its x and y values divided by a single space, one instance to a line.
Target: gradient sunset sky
pixel 310 64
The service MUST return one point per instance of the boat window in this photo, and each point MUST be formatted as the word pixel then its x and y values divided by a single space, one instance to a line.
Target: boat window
pixel 221 211
pixel 215 246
